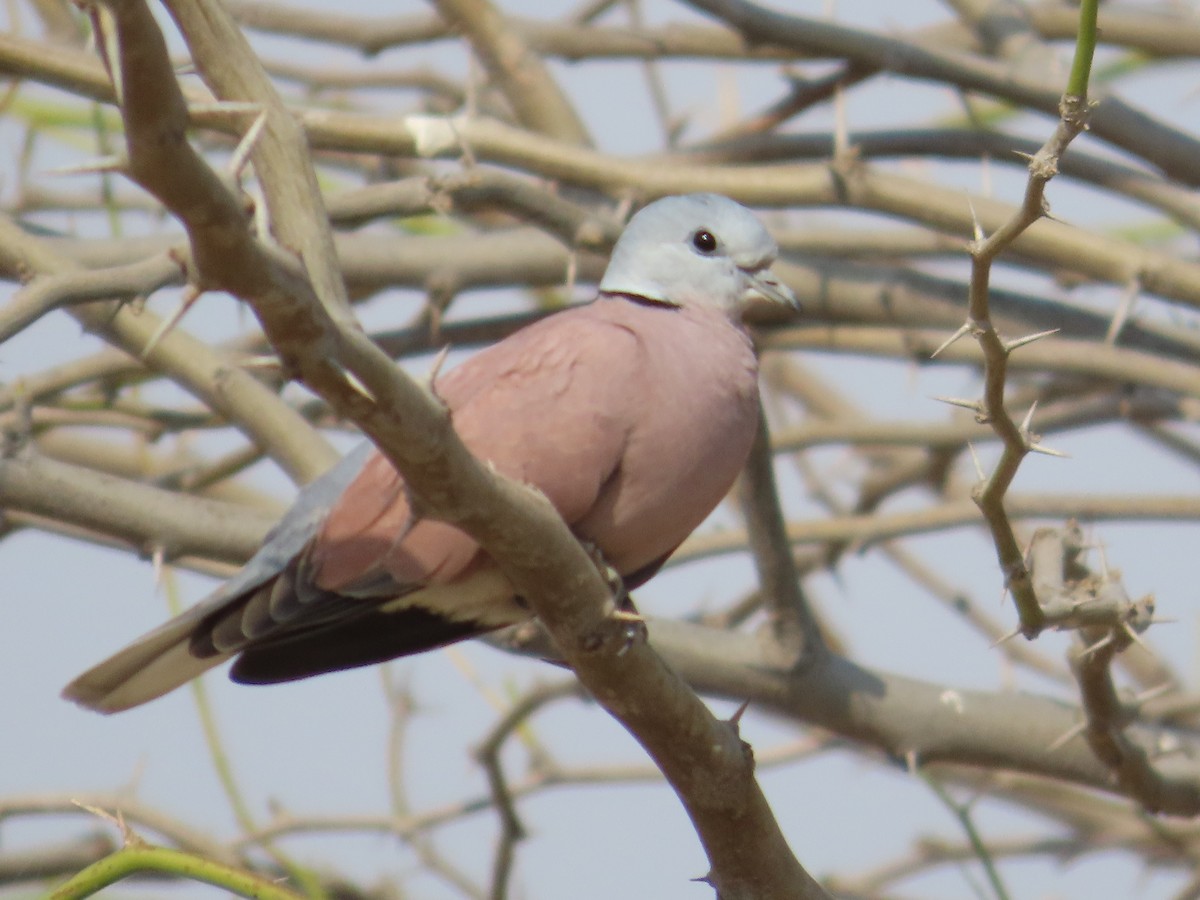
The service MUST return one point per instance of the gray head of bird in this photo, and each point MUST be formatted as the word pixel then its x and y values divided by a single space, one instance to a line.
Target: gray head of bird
pixel 696 250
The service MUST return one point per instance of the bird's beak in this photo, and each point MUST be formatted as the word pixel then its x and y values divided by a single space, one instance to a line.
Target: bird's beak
pixel 763 283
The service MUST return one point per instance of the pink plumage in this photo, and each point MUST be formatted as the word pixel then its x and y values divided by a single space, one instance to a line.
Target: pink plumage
pixel 633 414
pixel 550 407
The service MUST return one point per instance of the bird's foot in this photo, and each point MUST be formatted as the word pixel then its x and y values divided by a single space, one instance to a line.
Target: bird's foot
pixel 623 609
pixel 616 584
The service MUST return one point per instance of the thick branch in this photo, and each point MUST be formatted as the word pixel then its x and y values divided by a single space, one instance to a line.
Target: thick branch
pixel 149 518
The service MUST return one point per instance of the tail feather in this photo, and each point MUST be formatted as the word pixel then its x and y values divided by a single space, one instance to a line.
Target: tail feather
pixel 153 665
pixel 281 634
pixel 364 639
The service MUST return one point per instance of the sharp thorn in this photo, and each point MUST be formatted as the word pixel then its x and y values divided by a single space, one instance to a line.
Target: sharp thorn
pixel 972 405
pixel 1151 693
pixel 100 165
pixel 975 459
pixel 962 330
pixel 157 562
pixel 241 154
pixel 1048 451
pixel 1122 312
pixel 1003 639
pixel 1135 637
pixel 438 362
pixel 354 382
pixel 232 108
pixel 190 295
pixel 1099 645
pixel 1016 343
pixel 262 218
pixel 976 228
pixel 1025 423
pixel 265 361
pixel 1070 733
pixel 115 819
pixel 736 718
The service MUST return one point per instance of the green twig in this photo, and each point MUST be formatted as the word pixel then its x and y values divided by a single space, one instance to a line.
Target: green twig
pixel 963 813
pixel 1085 49
pixel 138 857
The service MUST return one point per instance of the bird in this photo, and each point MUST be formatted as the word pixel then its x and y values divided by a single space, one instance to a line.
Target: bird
pixel 633 414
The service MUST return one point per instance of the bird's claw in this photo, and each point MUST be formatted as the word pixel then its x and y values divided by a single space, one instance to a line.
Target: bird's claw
pixel 616 584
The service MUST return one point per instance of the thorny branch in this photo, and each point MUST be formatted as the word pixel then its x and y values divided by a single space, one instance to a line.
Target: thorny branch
pixel 1018 439
pixel 1048 585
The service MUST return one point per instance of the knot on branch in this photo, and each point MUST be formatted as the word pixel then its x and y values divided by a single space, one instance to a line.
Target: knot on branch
pixel 1072 597
pixel 1075 110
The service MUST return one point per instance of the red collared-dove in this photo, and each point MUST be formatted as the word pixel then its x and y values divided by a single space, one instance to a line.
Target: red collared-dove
pixel 632 414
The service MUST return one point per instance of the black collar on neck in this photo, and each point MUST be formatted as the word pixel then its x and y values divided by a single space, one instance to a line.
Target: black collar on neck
pixel 640 300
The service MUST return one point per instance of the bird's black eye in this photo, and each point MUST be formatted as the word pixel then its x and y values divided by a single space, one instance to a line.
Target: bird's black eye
pixel 704 241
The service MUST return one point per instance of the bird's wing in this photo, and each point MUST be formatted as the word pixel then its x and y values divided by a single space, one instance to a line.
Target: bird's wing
pixel 544 406
pixel 549 406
